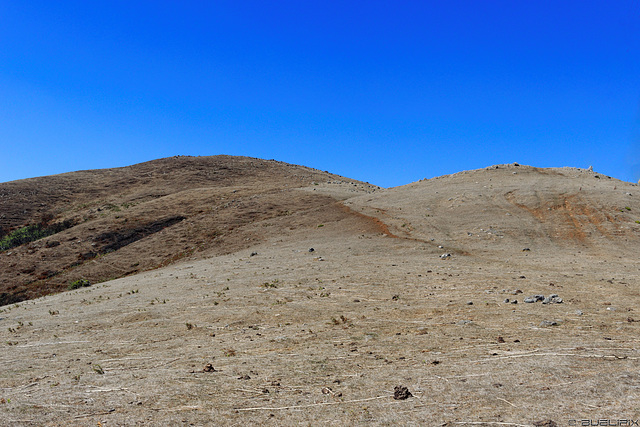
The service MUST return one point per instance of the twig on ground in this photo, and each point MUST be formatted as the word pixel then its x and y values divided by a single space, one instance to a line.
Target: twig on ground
pixel 51 343
pixel 493 422
pixel 179 408
pixel 126 358
pixel 311 405
pixel 588 356
pixel 505 400
pixel 94 414
pixel 104 390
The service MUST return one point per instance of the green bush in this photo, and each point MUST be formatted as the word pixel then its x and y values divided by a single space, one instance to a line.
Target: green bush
pixel 80 283
pixel 32 233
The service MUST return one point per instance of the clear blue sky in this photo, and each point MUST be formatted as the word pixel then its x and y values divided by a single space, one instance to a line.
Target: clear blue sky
pixel 386 92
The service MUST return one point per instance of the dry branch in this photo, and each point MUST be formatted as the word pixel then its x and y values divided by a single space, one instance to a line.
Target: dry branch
pixel 493 423
pixel 311 405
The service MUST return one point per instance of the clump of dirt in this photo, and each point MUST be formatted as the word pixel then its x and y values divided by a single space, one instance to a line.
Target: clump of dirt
pixel 401 392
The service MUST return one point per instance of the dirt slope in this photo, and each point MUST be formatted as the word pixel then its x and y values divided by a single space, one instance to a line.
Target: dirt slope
pixel 319 319
pixel 149 215
pixel 503 209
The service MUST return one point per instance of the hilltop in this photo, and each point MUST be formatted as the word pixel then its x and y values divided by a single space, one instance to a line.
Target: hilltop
pixel 118 222
pixel 306 298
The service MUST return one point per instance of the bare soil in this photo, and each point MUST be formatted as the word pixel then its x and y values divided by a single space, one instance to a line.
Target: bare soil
pixel 268 331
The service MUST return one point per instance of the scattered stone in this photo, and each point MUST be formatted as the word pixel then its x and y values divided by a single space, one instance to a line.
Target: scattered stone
pixel 506 300
pixel 400 392
pixel 534 298
pixel 526 250
pixel 445 256
pixel 209 368
pixel 515 301
pixel 547 323
pixel 552 299
pixel 516 292
pixel 469 302
pixel 311 250
pixel 500 340
pixel 253 253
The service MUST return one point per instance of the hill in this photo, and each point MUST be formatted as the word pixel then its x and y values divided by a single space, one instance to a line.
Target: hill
pixel 502 209
pixel 504 296
pixel 117 222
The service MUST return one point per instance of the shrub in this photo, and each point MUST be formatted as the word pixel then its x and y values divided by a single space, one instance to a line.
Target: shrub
pixel 80 283
pixel 32 233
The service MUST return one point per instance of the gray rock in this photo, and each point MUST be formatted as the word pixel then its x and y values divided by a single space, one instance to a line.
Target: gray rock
pixel 506 300
pixel 469 302
pixel 465 322
pixel 445 256
pixel 534 298
pixel 552 299
pixel 579 312
pixel 515 301
pixel 547 323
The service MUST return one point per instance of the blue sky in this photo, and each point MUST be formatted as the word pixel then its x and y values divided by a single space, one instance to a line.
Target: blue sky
pixel 385 92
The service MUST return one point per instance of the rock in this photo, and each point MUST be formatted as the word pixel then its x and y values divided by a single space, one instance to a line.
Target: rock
pixel 545 423
pixel 515 301
pixel 529 300
pixel 526 250
pixel 547 323
pixel 506 301
pixel 311 250
pixel 552 299
pixel 534 298
pixel 579 312
pixel 465 322
pixel 209 368
pixel 253 253
pixel 400 392
pixel 445 256
pixel 469 302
